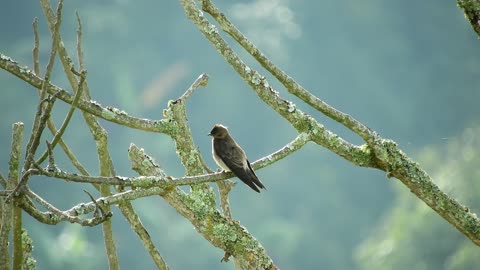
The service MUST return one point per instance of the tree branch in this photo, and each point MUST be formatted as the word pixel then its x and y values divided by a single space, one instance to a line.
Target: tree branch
pixel 55 215
pixel 471 8
pixel 58 135
pixel 8 207
pixel 166 182
pixel 109 113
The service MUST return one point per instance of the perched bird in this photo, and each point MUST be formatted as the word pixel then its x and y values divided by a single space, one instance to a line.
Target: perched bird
pixel 231 157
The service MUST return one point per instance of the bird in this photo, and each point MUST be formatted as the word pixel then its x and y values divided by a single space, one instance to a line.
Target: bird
pixel 230 157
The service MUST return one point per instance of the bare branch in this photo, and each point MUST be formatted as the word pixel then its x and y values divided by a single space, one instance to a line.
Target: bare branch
pixel 55 215
pixel 202 80
pixel 63 127
pixel 109 113
pixel 67 150
pixel 36 46
pixel 79 42
pixel 8 208
pixel 34 141
pixel 98 209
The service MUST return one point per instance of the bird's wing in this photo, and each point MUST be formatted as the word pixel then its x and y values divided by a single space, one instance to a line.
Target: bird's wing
pixel 235 159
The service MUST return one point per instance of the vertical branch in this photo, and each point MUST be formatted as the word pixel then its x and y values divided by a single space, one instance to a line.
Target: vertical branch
pixel 17 211
pixel 98 133
pixel 79 42
pixel 224 188
pixel 37 129
pixel 6 222
pixel 36 46
pixel 50 124
pixel 58 135
pixel 188 153
pixel 17 237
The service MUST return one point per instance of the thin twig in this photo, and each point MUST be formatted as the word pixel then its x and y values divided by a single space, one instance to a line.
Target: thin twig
pixel 67 150
pixel 63 216
pixel 36 48
pixel 202 80
pixel 79 42
pixel 53 51
pixel 68 117
pixel 35 138
pixel 98 209
pixel 51 167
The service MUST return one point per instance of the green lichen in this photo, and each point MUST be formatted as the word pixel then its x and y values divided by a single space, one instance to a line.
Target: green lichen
pixel 199 202
pixel 224 232
pixel 29 263
pixel 191 158
pixel 251 245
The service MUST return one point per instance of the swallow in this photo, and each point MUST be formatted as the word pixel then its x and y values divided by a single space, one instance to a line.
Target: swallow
pixel 231 157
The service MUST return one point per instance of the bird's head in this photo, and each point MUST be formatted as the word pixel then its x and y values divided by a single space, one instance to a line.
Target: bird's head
pixel 218 131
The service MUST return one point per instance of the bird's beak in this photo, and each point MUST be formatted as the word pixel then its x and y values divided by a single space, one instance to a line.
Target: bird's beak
pixel 209 134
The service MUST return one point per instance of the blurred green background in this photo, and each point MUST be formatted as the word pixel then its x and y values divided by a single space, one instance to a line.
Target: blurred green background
pixel 408 69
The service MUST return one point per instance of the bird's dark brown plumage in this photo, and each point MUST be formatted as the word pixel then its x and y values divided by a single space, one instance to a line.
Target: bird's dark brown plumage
pixel 231 157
